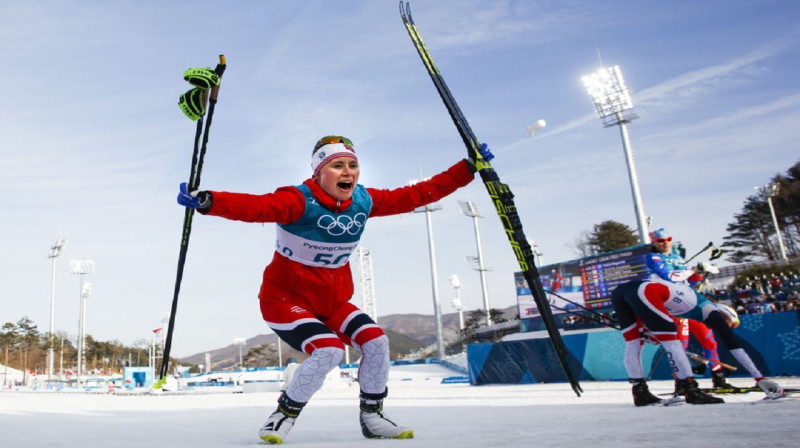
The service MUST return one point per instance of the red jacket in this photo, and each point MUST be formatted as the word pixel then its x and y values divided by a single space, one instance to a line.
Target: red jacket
pixel 320 290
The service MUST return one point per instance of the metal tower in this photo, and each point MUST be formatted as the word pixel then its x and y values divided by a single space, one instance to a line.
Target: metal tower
pixel 366 276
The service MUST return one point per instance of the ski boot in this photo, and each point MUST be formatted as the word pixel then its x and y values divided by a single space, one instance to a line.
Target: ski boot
pixel 688 388
pixel 375 424
pixel 718 380
pixel 678 391
pixel 281 421
pixel 771 388
pixel 641 393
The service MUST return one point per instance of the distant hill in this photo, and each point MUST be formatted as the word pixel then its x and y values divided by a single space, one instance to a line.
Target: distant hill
pixel 406 332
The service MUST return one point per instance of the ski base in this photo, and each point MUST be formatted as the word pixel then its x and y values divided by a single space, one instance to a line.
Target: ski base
pixel 272 440
pixel 773 400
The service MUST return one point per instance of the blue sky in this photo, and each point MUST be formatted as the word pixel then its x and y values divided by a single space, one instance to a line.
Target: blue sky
pixel 93 143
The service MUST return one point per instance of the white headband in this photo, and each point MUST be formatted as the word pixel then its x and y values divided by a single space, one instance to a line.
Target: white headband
pixel 329 152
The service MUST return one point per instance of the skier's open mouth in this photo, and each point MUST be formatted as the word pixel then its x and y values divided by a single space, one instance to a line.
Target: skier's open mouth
pixel 345 185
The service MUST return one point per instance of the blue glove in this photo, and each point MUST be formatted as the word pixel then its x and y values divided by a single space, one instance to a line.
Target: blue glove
pixel 484 150
pixel 194 199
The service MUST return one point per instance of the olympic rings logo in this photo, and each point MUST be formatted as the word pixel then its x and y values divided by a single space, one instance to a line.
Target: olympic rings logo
pixel 339 225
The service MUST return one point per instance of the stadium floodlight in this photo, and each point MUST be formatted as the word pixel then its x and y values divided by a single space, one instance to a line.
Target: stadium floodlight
pixel 537 252
pixel 57 249
pixel 470 209
pixel 610 94
pixel 455 282
pixel 769 191
pixel 437 308
pixel 613 104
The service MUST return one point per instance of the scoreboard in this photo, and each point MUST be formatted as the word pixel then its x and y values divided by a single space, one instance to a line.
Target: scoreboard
pixel 583 282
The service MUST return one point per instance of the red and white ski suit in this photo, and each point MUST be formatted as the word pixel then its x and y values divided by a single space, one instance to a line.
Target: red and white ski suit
pixel 296 297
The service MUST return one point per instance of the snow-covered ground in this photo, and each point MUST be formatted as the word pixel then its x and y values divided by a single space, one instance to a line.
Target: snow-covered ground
pixel 442 415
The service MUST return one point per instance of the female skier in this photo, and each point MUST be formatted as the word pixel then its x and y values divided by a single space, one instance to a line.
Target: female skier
pixel 307 286
pixel 666 263
pixel 645 308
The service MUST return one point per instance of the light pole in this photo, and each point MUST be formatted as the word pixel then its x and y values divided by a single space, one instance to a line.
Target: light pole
pixel 537 252
pixel 613 103
pixel 769 191
pixel 82 267
pixel 470 209
pixel 437 309
pixel 150 352
pixel 159 344
pixel 57 249
pixel 240 342
pixel 153 351
pixel 61 358
pixel 366 277
pixel 455 282
pixel 86 291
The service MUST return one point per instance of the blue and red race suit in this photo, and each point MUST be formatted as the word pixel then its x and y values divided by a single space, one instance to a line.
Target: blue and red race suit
pixel 672 268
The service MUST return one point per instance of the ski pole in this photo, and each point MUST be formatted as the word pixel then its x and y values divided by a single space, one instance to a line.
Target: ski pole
pixel 698 358
pixel 600 318
pixel 708 246
pixel 609 323
pixel 198 154
pixel 612 324
pixel 661 352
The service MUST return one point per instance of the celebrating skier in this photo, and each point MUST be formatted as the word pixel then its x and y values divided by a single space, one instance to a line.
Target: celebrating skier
pixel 307 286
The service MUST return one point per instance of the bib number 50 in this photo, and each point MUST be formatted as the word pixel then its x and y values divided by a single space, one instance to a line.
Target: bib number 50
pixel 327 259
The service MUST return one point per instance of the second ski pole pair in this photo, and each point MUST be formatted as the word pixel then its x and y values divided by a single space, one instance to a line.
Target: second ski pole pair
pixel 206 84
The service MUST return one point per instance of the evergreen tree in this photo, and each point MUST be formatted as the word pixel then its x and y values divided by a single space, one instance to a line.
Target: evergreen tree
pixel 9 338
pixel 262 355
pixel 748 236
pixel 29 339
pixel 752 234
pixel 607 236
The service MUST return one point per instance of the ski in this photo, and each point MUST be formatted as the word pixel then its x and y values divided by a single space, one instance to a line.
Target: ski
pixel 501 195
pixel 744 390
pixel 672 401
pixel 731 390
pixel 784 398
pixel 737 390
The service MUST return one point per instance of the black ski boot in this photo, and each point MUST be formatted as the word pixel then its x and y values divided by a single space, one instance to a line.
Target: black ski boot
pixel 718 380
pixel 678 391
pixel 688 388
pixel 641 393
